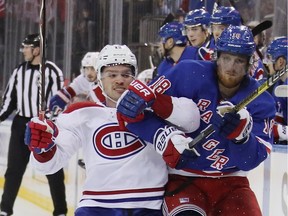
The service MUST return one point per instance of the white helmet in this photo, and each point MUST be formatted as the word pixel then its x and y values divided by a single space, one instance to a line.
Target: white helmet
pixel 89 60
pixel 116 55
pixel 146 75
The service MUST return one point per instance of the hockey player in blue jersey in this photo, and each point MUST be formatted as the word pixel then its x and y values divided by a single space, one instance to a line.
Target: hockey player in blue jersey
pixel 173 46
pixel 220 19
pixel 197 30
pixel 196 25
pixel 211 179
pixel 278 55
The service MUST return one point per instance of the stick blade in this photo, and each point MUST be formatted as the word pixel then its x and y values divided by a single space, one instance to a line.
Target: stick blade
pixel 262 27
pixel 281 91
pixel 170 17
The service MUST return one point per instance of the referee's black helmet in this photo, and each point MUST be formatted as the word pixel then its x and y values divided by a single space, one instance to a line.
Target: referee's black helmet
pixel 32 40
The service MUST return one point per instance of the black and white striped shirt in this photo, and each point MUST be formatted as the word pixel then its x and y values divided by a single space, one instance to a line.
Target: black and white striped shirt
pixel 22 92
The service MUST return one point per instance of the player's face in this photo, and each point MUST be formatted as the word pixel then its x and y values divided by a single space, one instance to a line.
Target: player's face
pixel 90 74
pixel 275 65
pixel 196 35
pixel 231 69
pixel 115 80
pixel 217 29
pixel 279 64
pixel 166 46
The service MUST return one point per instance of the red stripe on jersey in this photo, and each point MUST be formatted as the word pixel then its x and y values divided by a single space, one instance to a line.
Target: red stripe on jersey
pixel 80 105
pixel 144 190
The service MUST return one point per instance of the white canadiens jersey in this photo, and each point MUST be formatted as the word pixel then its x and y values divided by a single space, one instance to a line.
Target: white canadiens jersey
pixel 122 171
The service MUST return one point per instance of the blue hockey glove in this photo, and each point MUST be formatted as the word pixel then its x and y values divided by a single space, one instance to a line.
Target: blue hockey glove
pixel 138 97
pixel 234 126
pixel 60 100
pixel 131 104
pixel 171 143
pixel 40 135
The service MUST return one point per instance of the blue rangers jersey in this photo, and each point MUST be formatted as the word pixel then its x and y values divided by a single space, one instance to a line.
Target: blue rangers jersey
pixel 188 53
pixel 219 156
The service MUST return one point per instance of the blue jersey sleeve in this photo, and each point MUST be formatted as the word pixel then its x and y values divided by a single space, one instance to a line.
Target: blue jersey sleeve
pixel 146 128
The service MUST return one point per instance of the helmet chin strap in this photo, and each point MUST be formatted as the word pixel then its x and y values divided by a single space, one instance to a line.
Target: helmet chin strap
pixel 104 93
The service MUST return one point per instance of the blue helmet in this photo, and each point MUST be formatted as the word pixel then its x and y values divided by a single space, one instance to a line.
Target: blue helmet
pixel 237 40
pixel 278 48
pixel 226 16
pixel 197 17
pixel 173 30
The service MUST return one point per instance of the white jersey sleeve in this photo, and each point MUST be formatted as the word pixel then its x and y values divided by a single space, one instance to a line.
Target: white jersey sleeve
pixel 80 85
pixel 185 114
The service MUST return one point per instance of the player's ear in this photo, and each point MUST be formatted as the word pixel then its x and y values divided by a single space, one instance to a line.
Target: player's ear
pixel 282 61
pixel 170 43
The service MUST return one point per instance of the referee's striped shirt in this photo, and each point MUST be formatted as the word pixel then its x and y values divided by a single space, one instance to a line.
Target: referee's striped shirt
pixel 22 92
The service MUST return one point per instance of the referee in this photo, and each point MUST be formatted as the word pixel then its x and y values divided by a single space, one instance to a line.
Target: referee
pixel 22 96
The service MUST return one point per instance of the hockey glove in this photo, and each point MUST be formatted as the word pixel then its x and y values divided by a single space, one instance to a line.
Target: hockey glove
pixel 205 53
pixel 234 126
pixel 170 143
pixel 138 97
pixel 40 135
pixel 131 104
pixel 60 100
pixel 280 132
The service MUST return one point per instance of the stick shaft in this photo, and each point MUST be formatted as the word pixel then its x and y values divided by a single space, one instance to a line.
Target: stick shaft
pixel 42 104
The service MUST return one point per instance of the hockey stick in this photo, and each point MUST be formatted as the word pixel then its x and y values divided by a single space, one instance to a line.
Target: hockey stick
pixel 42 104
pixel 151 62
pixel 281 91
pixel 262 88
pixel 261 27
pixel 169 18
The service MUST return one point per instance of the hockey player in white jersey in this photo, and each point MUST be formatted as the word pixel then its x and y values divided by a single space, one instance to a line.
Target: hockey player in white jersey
pixel 124 175
pixel 85 83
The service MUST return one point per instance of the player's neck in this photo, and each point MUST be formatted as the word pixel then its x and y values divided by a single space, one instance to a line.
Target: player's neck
pixel 110 103
pixel 176 53
pixel 227 93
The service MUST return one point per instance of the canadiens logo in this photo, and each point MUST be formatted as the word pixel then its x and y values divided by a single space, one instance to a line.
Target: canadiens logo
pixel 110 142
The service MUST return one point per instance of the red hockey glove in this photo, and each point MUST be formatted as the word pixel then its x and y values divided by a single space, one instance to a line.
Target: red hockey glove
pixel 234 126
pixel 40 135
pixel 170 143
pixel 280 132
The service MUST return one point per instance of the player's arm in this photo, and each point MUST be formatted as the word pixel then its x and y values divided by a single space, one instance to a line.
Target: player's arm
pixel 248 132
pixel 63 96
pixel 179 111
pixel 167 140
pixel 44 140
